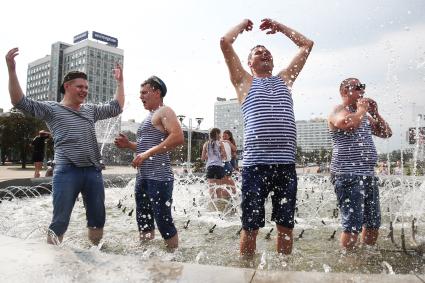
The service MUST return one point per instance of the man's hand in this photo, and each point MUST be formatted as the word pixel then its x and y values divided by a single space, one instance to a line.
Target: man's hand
pixel 139 159
pixel 363 104
pixel 270 25
pixel 373 107
pixel 246 25
pixel 10 59
pixel 122 141
pixel 118 74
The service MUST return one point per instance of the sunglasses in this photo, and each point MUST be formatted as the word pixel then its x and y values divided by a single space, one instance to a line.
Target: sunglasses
pixel 358 86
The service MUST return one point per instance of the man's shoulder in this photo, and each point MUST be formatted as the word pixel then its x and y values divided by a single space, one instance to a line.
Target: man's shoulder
pixel 338 108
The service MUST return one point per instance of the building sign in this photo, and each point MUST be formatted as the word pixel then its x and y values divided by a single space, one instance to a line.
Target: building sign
pixel 105 38
pixel 412 135
pixel 81 36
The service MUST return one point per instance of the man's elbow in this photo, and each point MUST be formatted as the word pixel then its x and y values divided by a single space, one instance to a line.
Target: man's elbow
pixel 180 139
pixel 225 43
pixel 308 46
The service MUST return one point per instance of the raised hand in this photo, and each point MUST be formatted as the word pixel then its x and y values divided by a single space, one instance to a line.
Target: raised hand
pixel 373 106
pixel 118 74
pixel 363 103
pixel 269 25
pixel 247 25
pixel 10 58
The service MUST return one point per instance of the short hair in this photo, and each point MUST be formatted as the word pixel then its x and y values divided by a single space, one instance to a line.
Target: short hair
pixel 156 83
pixel 345 82
pixel 72 75
pixel 252 49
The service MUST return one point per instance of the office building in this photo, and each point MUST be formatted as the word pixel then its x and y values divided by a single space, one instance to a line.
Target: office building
pixel 228 116
pixel 313 135
pixel 96 59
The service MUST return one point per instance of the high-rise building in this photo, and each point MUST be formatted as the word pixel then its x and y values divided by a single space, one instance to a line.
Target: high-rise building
pixel 313 135
pixel 96 59
pixel 228 116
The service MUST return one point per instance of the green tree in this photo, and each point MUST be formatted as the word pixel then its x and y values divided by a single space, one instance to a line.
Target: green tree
pixel 18 130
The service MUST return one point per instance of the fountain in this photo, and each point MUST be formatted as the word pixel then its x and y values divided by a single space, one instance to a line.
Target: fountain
pixel 209 230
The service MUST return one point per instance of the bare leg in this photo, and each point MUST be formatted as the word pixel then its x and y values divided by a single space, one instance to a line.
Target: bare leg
pixel 214 191
pixel 173 242
pixel 227 180
pixel 38 166
pixel 284 240
pixel 348 240
pixel 147 235
pixel 54 240
pixel 95 235
pixel 370 236
pixel 248 243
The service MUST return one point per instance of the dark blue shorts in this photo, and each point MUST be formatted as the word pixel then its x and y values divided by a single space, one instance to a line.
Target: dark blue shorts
pixel 153 201
pixel 358 201
pixel 215 172
pixel 257 182
pixel 68 182
pixel 228 168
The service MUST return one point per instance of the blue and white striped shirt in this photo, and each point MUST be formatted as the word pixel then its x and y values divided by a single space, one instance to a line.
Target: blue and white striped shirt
pixel 157 167
pixel 270 131
pixel 354 152
pixel 73 131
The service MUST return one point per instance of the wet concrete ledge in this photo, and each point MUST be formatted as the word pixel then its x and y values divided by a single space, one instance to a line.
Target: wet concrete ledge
pixel 43 185
pixel 28 260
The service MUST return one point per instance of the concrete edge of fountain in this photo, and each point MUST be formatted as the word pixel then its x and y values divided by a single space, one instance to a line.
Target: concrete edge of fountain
pixel 29 260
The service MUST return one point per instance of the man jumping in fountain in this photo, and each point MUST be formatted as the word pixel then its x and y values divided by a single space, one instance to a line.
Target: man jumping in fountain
pixel 270 133
pixel 77 156
pixel 354 157
pixel 158 134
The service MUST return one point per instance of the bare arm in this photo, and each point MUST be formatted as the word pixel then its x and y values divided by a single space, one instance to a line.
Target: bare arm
pixel 305 45
pixel 204 152
pixel 239 77
pixel 15 90
pixel 175 137
pixel 119 93
pixel 380 127
pixel 342 119
pixel 223 154
pixel 122 142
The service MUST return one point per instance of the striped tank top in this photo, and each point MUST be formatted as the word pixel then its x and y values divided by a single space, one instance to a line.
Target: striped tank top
pixel 157 167
pixel 270 131
pixel 354 152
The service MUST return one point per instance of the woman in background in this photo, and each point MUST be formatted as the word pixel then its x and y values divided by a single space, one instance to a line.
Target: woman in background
pixel 213 153
pixel 227 135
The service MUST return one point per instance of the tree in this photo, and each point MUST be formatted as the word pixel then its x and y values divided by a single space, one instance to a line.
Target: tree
pixel 18 130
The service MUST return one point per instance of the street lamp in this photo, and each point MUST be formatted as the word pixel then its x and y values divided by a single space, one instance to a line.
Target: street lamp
pixel 189 129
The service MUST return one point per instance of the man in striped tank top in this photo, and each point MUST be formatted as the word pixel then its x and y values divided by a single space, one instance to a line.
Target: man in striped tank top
pixel 270 133
pixel 158 134
pixel 354 157
pixel 77 155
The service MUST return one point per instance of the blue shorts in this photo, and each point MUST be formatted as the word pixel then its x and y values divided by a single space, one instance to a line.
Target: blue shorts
pixel 228 168
pixel 215 172
pixel 257 182
pixel 68 182
pixel 153 201
pixel 358 201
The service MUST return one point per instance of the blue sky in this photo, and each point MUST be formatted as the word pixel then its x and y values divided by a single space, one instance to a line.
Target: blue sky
pixel 380 42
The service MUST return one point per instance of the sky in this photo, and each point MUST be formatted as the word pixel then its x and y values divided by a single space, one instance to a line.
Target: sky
pixel 380 42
